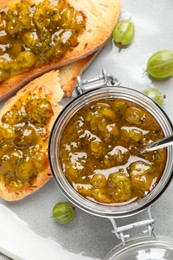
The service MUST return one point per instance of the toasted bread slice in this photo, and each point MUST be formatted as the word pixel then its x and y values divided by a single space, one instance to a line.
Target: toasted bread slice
pixel 48 86
pixel 101 17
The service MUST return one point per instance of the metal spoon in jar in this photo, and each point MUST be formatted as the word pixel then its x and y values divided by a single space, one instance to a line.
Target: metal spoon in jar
pixel 167 141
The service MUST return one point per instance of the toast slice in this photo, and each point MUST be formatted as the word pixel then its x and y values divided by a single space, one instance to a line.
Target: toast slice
pixel 25 124
pixel 101 17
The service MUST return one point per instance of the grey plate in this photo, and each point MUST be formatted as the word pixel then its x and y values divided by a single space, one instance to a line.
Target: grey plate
pixel 90 237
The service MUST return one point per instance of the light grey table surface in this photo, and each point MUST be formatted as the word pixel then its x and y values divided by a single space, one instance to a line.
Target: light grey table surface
pixel 90 234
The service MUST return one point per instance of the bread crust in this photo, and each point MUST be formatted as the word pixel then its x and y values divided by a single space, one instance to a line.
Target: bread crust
pixel 102 16
pixel 50 84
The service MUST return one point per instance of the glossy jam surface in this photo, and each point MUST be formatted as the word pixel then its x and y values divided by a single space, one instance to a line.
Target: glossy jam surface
pixel 100 152
pixel 33 34
pixel 24 140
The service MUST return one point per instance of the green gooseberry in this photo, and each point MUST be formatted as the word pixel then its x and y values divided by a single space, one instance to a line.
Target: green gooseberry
pixel 123 33
pixel 155 94
pixel 63 212
pixel 160 64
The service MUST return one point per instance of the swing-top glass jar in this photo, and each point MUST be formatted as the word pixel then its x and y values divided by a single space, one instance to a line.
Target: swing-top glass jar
pixel 107 87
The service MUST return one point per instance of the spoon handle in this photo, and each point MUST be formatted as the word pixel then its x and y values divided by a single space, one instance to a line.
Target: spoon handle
pixel 167 141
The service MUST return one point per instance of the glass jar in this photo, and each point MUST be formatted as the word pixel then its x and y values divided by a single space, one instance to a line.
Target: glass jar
pixel 106 92
pixel 107 87
pixel 148 248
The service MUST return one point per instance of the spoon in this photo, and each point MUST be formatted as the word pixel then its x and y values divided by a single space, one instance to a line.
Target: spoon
pixel 167 141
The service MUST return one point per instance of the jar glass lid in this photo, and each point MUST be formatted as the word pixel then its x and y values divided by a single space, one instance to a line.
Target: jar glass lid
pixel 160 248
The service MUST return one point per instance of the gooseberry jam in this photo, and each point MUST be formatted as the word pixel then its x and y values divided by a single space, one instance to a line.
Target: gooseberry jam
pixel 100 151
pixel 33 34
pixel 24 136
